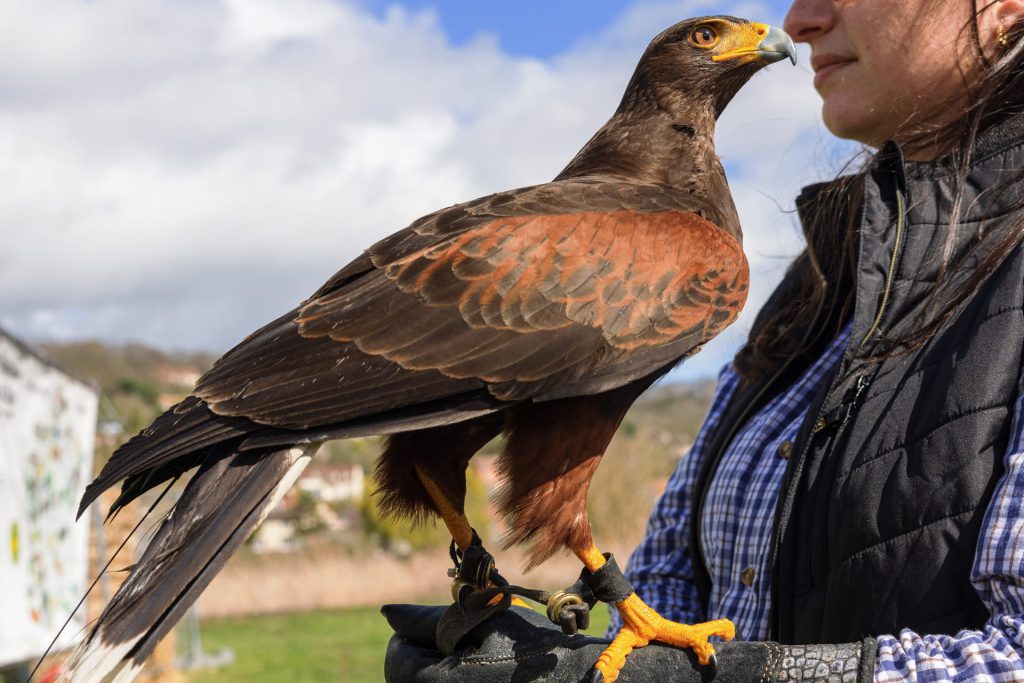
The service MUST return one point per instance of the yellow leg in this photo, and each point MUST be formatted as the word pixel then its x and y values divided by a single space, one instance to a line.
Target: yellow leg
pixel 641 625
pixel 457 523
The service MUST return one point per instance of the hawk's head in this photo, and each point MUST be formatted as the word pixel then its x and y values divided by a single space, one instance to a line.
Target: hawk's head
pixel 708 59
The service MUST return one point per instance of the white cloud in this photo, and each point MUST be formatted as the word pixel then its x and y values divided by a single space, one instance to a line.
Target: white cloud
pixel 180 172
pixel 259 24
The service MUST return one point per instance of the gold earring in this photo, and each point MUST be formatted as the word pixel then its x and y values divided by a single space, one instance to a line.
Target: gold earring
pixel 1001 36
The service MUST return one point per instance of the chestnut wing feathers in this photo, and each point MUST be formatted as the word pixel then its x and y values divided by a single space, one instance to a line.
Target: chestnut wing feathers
pixel 517 294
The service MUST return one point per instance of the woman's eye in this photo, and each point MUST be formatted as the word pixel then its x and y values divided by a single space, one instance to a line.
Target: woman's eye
pixel 704 36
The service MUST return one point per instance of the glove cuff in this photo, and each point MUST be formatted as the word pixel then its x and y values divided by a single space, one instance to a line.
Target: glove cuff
pixel 843 663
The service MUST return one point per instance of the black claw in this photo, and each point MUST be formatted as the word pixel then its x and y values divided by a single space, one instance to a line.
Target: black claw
pixel 595 676
pixel 712 667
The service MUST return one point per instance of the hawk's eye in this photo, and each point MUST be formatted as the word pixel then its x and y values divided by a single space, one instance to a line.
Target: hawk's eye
pixel 704 36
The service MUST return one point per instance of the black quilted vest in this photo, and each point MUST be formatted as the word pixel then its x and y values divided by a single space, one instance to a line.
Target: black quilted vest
pixel 879 515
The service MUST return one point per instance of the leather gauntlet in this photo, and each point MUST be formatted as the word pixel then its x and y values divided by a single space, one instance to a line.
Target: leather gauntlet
pixel 522 645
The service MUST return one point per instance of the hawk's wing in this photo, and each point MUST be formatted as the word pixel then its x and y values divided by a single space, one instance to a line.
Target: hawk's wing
pixel 562 289
pixel 541 290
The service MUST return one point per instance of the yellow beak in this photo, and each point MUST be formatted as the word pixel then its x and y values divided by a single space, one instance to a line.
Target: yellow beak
pixel 761 42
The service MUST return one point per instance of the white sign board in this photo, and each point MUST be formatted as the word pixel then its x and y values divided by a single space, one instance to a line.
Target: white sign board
pixel 47 431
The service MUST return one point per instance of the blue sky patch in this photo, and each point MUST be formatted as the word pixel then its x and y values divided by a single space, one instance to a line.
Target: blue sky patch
pixel 534 29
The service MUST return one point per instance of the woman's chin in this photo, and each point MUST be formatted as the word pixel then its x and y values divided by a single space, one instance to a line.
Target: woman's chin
pixel 847 118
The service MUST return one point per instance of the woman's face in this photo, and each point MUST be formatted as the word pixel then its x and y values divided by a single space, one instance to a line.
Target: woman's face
pixel 884 66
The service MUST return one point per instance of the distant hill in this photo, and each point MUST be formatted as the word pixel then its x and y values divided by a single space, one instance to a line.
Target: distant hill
pixel 136 382
pixel 110 364
pixel 677 408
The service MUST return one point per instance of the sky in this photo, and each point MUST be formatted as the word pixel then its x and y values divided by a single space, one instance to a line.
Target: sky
pixel 178 172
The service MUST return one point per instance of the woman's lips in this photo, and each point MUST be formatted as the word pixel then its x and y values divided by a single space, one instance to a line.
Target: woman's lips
pixel 827 66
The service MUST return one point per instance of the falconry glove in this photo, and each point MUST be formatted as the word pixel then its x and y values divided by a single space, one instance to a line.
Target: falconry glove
pixel 519 644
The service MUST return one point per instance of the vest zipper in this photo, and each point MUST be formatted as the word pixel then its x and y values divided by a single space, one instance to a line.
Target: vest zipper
pixel 820 423
pixel 890 276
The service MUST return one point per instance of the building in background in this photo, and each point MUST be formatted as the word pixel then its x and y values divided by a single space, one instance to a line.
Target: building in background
pixel 332 483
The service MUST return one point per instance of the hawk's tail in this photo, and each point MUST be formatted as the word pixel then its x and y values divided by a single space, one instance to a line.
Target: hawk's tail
pixel 222 504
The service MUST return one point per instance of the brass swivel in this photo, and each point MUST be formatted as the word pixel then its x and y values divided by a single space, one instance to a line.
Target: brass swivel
pixel 559 600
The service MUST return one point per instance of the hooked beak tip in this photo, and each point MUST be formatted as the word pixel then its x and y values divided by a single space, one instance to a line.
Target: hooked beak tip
pixel 777 45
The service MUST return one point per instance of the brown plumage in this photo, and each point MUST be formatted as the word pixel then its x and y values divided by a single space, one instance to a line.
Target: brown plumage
pixel 540 313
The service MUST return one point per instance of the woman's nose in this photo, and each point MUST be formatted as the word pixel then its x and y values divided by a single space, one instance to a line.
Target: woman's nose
pixel 808 19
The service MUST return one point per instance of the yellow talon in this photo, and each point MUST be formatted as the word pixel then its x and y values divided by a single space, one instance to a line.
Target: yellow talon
pixel 641 625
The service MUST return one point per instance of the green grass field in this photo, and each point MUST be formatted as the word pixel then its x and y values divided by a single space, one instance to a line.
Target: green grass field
pixel 343 646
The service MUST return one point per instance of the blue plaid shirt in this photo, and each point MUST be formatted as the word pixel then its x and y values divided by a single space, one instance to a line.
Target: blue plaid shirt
pixel 736 534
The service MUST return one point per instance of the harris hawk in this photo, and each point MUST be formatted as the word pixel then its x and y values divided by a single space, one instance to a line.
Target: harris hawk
pixel 539 313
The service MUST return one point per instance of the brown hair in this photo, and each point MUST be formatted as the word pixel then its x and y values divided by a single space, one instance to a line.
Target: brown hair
pixel 824 274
